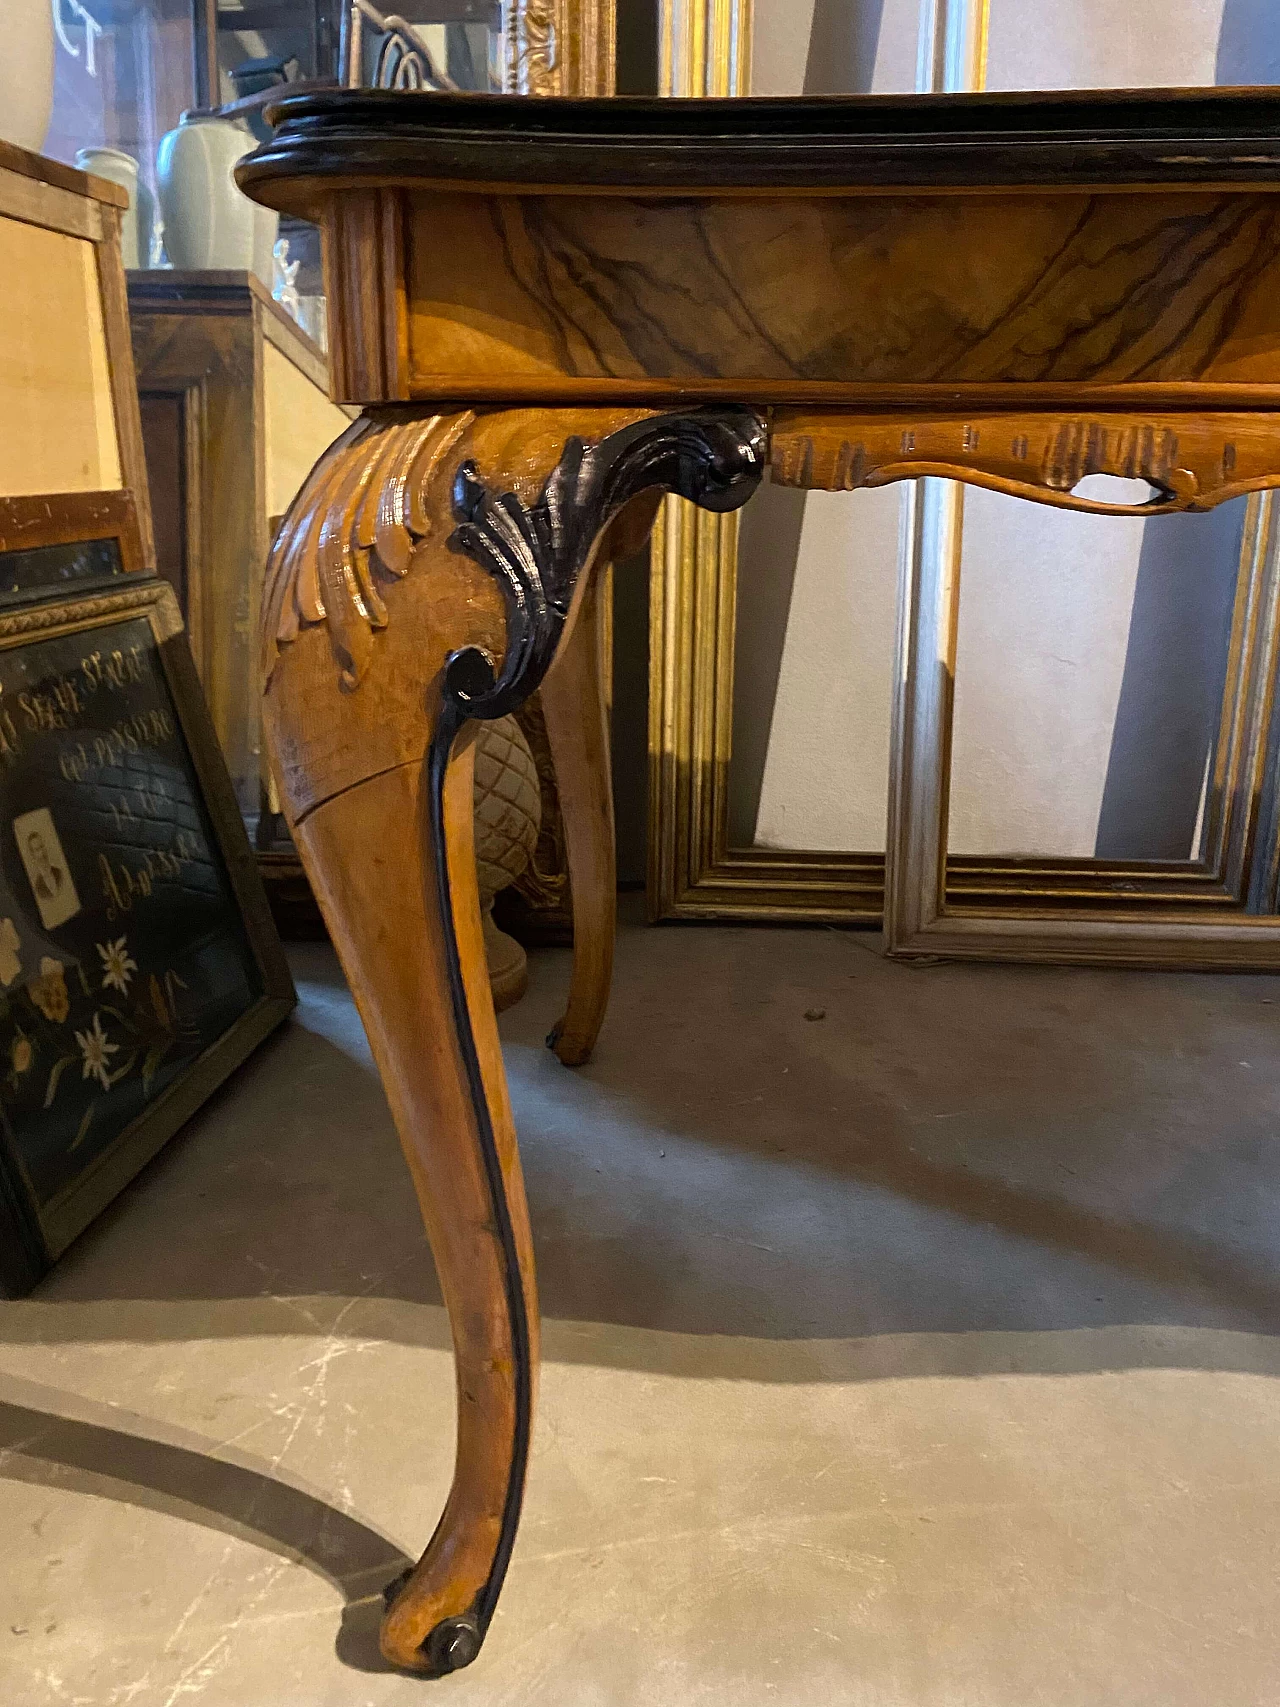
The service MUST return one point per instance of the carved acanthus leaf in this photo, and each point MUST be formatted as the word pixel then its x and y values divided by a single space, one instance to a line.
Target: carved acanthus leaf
pixel 351 531
pixel 714 457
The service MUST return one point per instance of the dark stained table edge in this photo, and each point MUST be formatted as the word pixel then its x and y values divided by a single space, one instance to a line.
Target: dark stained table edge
pixel 1163 136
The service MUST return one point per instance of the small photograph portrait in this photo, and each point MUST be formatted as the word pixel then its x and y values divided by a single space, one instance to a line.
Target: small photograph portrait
pixel 47 868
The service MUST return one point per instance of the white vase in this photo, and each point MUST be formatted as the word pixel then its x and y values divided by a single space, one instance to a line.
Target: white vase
pixel 207 222
pixel 26 72
pixel 135 228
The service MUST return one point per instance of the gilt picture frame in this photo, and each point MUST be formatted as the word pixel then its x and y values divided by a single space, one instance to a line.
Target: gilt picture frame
pixel 693 871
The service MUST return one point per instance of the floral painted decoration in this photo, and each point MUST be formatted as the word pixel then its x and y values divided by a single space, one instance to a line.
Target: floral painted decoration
pixel 117 965
pixel 94 1050
pixel 49 990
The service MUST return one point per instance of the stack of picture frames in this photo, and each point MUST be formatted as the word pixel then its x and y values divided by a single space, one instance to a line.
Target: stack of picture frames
pixel 1217 909
pixel 138 962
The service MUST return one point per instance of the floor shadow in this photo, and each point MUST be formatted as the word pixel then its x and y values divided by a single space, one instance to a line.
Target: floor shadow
pixel 963 1151
pixel 100 1457
pixel 791 1162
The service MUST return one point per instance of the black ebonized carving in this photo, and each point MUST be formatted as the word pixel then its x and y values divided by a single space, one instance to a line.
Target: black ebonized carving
pixel 716 458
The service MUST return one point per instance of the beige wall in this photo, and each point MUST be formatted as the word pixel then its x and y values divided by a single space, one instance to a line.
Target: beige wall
pixel 1090 650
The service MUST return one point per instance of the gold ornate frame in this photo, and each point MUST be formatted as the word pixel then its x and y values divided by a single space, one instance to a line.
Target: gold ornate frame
pixel 692 870
pixel 693 873
pixel 559 47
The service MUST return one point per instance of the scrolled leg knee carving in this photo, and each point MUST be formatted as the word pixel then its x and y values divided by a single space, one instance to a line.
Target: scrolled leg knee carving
pixel 714 457
pixel 354 531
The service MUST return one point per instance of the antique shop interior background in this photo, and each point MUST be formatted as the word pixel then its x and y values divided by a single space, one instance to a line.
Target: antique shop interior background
pixel 1100 752
pixel 1088 720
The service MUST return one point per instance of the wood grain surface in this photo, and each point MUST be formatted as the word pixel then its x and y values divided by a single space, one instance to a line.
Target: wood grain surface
pixel 573 704
pixel 364 603
pixel 1192 461
pixel 369 858
pixel 764 294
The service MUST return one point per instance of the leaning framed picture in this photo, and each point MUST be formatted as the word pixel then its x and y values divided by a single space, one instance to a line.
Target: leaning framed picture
pixel 138 962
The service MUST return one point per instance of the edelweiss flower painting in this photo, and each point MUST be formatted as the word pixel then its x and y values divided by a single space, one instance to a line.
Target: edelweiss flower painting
pixel 94 1050
pixel 117 965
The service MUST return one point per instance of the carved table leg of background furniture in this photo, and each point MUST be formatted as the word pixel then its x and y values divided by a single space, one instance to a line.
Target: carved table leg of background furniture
pixel 574 705
pixel 425 577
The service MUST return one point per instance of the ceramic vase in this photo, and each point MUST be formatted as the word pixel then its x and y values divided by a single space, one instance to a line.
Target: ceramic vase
pixel 508 812
pixel 207 222
pixel 135 228
pixel 26 72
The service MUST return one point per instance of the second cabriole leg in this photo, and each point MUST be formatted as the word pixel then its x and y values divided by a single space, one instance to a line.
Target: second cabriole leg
pixel 573 703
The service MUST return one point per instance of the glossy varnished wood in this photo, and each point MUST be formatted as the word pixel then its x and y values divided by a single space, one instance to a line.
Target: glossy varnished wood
pixel 781 298
pixel 1194 461
pixel 817 250
pixel 573 705
pixel 368 853
pixel 364 553
pixel 424 575
pixel 1017 291
pixel 1156 136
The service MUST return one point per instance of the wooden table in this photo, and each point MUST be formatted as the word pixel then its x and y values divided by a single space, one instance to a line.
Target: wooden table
pixel 553 312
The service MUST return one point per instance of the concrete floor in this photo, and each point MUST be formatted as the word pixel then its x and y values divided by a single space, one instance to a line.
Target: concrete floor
pixel 923 1355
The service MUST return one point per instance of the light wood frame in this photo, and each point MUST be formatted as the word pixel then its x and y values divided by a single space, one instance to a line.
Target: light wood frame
pixel 42 192
pixel 199 340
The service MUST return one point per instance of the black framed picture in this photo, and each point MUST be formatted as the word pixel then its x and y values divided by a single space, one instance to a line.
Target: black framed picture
pixel 138 962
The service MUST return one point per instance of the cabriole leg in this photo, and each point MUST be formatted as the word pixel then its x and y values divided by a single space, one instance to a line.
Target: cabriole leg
pixel 373 855
pixel 445 556
pixel 573 703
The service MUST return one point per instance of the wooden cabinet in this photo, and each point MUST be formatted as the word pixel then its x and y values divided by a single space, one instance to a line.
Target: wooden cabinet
pixel 235 410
